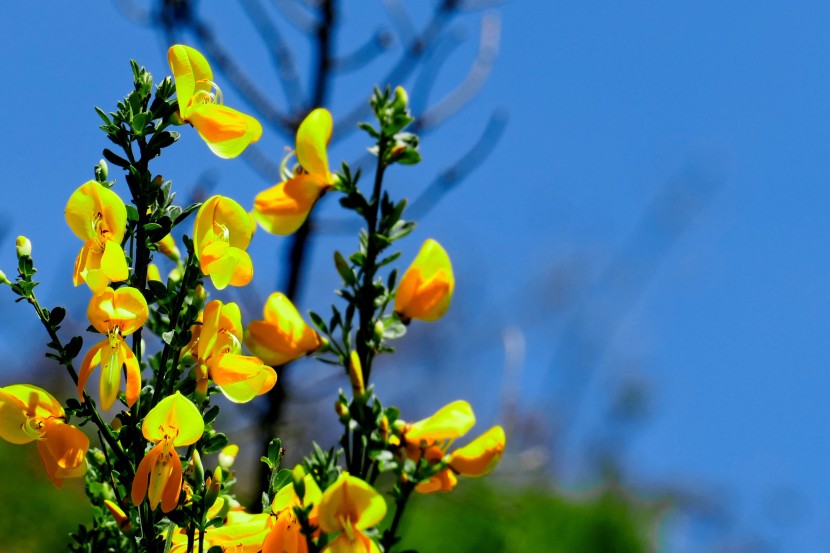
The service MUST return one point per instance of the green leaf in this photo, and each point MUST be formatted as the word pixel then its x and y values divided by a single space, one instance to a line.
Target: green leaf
pixel 110 156
pixel 346 272
pixel 56 316
pixel 318 321
pixel 73 348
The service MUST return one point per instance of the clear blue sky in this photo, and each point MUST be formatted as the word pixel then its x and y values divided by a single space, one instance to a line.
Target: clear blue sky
pixel 613 107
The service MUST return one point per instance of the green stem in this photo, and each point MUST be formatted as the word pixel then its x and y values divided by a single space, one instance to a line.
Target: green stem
pixel 389 539
pixel 174 321
pixel 366 295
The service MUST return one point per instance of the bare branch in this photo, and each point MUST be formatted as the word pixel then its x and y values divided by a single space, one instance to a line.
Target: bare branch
pixel 435 59
pixel 401 20
pixel 480 70
pixel 476 5
pixel 295 15
pixel 406 64
pixel 261 163
pixel 281 54
pixel 454 174
pixel 137 14
pixel 379 43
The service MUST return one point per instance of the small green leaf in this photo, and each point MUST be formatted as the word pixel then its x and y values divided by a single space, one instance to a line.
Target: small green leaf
pixel 346 272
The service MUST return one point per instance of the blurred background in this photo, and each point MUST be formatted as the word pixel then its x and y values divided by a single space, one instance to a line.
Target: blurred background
pixel 634 196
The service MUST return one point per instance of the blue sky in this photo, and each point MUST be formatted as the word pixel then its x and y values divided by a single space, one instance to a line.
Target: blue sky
pixel 717 305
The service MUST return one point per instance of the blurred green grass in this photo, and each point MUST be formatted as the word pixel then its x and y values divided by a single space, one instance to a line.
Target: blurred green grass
pixel 493 517
pixel 479 516
pixel 36 516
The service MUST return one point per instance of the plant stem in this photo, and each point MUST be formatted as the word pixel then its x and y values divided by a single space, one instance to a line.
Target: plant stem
pixel 389 539
pixel 366 294
pixel 87 401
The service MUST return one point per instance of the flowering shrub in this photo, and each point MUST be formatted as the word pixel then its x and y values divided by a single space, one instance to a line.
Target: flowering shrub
pixel 147 479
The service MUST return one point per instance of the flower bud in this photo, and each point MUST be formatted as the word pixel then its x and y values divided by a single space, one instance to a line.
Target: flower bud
pixel 102 171
pixel 213 488
pixel 228 455
pixel 3 279
pixel 157 181
pixel 377 332
pixel 341 410
pixel 153 272
pixel 401 98
pixel 426 288
pixel 24 247
pixel 167 246
pixel 356 374
pixel 120 517
pixel 175 275
pixel 198 468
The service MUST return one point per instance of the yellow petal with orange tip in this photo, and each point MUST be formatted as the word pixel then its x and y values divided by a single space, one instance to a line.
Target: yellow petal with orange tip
pixel 176 417
pixel 426 288
pixel 313 136
pixel 284 207
pixel 226 131
pixel 479 457
pixel 449 422
pixel 241 378
pixel 350 500
pixel 444 481
pixel 192 74
pixel 283 336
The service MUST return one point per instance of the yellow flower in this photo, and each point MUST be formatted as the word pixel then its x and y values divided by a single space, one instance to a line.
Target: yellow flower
pixel 216 344
pixel 283 336
pixel 425 290
pixel 222 232
pixel 431 438
pixel 98 217
pixel 29 413
pixel 114 313
pixel 348 507
pixel 175 421
pixel 284 207
pixel 226 131
pixel 286 534
pixel 240 533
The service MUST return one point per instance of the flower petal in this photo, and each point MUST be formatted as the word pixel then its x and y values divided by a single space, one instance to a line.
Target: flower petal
pixel 192 73
pixel 350 499
pixel 449 422
pixel 313 135
pixel 174 416
pixel 114 263
pixel 284 207
pixel 142 475
pixel 173 486
pixel 226 131
pixel 480 456
pixel 241 378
